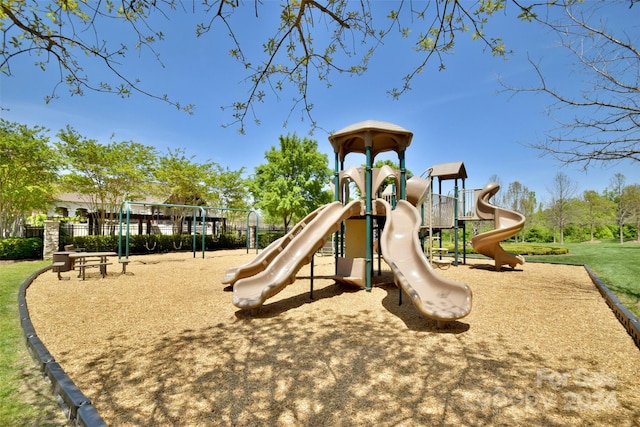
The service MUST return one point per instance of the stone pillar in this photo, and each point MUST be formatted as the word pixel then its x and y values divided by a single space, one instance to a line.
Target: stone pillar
pixel 51 239
pixel 252 237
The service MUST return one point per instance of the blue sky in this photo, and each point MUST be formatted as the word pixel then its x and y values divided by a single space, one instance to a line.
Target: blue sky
pixel 458 114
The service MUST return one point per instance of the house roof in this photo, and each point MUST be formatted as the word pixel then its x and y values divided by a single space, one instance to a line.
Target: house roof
pixel 82 199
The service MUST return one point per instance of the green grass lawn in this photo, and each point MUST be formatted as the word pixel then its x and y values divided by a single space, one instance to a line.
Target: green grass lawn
pixel 25 399
pixel 618 266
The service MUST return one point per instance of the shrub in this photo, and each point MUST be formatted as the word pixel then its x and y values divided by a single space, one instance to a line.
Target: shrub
pixel 157 243
pixel 537 234
pixel 95 243
pixel 524 249
pixel 265 239
pixel 21 248
pixel 603 233
pixel 517 248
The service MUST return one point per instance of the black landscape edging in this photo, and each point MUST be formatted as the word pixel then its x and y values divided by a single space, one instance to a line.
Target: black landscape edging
pixel 76 406
pixel 625 317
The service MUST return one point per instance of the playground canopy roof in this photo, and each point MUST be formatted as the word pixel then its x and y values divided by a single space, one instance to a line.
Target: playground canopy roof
pixel 452 170
pixel 384 137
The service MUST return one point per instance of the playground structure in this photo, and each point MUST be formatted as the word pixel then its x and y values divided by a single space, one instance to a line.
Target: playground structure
pixel 354 222
pixel 400 217
pixel 507 224
pixel 197 226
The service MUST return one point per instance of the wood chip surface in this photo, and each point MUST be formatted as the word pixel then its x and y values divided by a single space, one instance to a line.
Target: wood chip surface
pixel 164 346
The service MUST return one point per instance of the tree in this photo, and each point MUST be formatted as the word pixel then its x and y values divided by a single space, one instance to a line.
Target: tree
pixel 596 211
pixel 105 175
pixel 499 197
pixel 631 198
pixel 625 202
pixel 294 180
pixel 28 170
pixel 562 192
pixel 520 199
pixel 601 121
pixel 230 191
pixel 182 181
pixel 310 40
pixel 230 188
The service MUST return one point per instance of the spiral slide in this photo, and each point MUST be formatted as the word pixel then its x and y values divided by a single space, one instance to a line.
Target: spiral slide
pixel 272 276
pixel 436 297
pixel 507 224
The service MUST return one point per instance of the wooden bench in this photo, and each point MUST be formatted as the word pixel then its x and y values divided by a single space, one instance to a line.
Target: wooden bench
pixel 90 264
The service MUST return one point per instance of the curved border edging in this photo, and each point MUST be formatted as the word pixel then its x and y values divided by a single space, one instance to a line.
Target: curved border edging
pixel 75 405
pixel 625 317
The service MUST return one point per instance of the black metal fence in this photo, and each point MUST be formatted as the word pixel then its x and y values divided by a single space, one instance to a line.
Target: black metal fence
pixel 33 231
pixel 68 231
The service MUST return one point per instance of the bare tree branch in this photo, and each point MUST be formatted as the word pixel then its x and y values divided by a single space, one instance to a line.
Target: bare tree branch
pixel 604 126
pixel 311 40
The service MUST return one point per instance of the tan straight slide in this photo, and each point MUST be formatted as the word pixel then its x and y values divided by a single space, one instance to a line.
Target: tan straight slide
pixel 508 223
pixel 252 292
pixel 435 296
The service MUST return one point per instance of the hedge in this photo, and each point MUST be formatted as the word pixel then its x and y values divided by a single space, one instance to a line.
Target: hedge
pixel 518 248
pixel 17 248
pixel 157 243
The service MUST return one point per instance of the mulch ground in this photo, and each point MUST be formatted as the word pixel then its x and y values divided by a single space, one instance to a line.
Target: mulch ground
pixel 164 345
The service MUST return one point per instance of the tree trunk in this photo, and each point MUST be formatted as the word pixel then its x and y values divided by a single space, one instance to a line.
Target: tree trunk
pixel 621 228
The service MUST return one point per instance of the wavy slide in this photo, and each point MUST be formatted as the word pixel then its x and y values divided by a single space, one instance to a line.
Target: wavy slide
pixel 262 260
pixel 508 223
pixel 251 292
pixel 434 296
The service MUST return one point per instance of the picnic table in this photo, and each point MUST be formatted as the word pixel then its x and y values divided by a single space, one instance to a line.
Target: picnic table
pixel 84 260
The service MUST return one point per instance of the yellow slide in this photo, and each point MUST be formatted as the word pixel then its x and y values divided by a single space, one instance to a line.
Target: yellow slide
pixel 433 295
pixel 508 223
pixel 252 292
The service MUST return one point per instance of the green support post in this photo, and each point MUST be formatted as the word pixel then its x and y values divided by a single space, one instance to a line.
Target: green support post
pixel 368 213
pixel 403 176
pixel 337 241
pixel 455 225
pixel 127 239
pixel 194 235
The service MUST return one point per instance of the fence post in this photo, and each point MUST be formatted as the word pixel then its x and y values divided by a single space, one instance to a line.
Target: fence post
pixel 51 240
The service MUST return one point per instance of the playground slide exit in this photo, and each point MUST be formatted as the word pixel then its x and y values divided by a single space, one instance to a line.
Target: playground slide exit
pixel 435 296
pixel 508 223
pixel 252 292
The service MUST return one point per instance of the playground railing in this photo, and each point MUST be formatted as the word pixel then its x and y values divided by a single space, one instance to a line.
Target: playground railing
pixel 467 204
